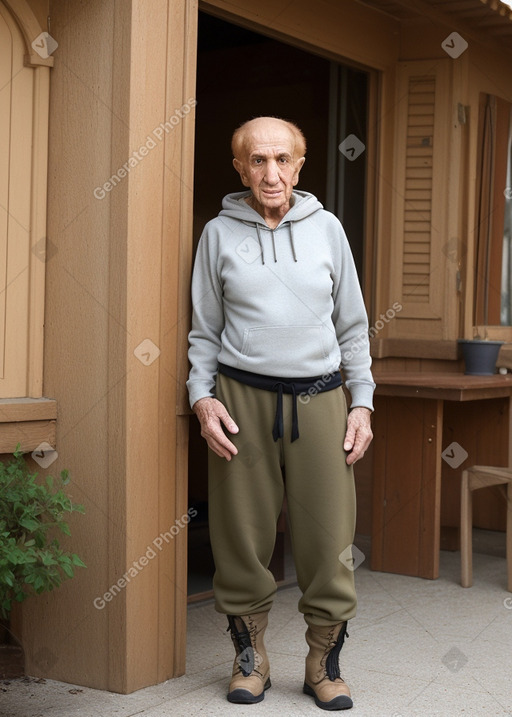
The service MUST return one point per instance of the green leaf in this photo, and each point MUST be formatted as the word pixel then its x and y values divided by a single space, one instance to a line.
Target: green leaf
pixel 29 523
pixel 68 570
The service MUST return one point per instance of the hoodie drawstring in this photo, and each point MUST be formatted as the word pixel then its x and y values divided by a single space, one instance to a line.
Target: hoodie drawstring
pixel 278 428
pixel 292 242
pixel 260 242
pixel 273 245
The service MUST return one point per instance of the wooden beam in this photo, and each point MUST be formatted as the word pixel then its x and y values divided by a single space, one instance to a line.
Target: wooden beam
pixel 425 10
pixel 414 348
pixel 27 409
pixel 28 434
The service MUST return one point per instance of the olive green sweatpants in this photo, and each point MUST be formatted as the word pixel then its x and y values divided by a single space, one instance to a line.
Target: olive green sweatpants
pixel 246 495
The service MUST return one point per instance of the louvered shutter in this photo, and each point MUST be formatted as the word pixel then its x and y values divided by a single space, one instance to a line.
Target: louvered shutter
pixel 419 243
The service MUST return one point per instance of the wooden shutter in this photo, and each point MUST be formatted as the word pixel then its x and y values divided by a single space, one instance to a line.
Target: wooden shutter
pixel 417 209
pixel 24 95
pixel 419 241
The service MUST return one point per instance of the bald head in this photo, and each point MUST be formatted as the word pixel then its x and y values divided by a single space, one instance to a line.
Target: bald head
pixel 244 136
pixel 268 155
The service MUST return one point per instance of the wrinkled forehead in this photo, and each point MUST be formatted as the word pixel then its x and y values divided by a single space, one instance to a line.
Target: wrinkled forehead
pixel 269 138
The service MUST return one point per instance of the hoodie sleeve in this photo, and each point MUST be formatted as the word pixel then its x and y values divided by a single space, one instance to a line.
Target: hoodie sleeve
pixel 351 324
pixel 207 319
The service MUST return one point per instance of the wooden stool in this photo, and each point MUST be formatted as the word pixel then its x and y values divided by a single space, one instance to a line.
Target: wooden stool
pixel 472 479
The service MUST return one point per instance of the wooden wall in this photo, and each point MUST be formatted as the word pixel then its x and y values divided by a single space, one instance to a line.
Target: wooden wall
pixel 112 284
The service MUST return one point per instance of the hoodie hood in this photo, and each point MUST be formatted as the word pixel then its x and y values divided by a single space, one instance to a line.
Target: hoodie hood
pixel 304 205
pixel 235 206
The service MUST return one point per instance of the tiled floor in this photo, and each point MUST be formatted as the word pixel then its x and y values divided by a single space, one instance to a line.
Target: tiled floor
pixel 417 647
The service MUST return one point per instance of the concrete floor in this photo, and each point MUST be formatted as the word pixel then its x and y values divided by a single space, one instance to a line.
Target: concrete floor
pixel 416 647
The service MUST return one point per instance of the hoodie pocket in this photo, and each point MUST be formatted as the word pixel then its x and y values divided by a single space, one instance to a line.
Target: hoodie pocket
pixel 287 350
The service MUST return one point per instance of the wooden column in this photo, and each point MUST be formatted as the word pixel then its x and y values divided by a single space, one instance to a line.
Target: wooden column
pixel 120 187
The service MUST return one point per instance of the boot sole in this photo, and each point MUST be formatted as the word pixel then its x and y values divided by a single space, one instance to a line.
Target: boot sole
pixel 342 702
pixel 244 697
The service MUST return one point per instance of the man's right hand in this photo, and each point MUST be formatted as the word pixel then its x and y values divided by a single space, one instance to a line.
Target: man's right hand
pixel 211 414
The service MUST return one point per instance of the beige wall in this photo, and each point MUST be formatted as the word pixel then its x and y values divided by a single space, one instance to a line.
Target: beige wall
pixel 111 284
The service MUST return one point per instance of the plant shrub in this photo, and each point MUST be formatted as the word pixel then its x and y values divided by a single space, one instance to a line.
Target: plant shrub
pixel 31 559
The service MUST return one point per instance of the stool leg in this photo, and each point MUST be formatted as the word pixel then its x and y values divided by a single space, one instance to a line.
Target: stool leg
pixel 509 537
pixel 466 533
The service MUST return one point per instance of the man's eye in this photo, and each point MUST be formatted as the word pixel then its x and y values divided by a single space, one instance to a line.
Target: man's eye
pixel 283 160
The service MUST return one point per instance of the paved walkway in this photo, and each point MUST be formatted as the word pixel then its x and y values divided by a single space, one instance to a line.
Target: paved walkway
pixel 417 647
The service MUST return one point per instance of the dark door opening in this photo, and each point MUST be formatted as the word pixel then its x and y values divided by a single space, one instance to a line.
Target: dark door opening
pixel 240 75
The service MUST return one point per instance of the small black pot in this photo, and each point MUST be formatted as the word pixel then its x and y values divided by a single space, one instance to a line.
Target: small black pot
pixel 480 356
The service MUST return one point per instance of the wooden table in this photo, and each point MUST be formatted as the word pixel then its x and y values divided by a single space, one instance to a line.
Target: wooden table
pixel 427 428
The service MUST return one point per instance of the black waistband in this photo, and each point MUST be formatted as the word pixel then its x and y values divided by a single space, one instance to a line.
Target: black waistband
pixel 279 384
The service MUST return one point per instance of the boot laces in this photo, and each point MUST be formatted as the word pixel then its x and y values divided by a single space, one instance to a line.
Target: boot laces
pixel 243 644
pixel 332 666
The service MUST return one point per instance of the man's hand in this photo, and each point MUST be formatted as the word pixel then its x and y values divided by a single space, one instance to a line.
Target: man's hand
pixel 359 433
pixel 211 413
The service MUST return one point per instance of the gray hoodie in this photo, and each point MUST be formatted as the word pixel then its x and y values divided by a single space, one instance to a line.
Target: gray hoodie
pixel 280 302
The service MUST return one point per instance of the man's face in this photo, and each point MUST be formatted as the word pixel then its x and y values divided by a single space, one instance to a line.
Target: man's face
pixel 268 163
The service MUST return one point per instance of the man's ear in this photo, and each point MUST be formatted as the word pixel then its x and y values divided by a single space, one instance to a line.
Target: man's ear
pixel 238 165
pixel 298 166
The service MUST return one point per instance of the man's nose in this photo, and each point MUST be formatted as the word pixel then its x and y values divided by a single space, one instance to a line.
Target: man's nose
pixel 271 174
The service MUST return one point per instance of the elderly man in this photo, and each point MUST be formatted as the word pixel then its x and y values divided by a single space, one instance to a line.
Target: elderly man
pixel 277 310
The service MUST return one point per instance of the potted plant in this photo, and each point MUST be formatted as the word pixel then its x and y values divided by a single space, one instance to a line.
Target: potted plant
pixel 480 355
pixel 31 516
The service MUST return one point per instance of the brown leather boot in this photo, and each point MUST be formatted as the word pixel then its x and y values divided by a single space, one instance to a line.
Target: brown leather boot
pixel 323 681
pixel 251 669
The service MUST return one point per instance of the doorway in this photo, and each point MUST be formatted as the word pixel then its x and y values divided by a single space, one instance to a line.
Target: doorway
pixel 243 74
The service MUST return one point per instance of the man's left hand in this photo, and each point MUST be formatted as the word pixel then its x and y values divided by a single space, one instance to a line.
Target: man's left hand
pixel 359 433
